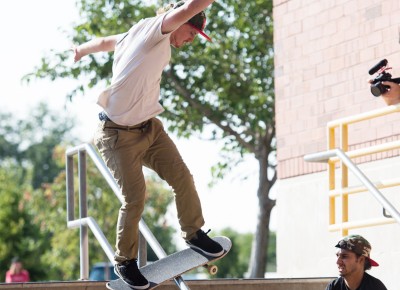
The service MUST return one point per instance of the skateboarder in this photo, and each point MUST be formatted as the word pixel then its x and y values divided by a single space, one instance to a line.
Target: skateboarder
pixel 129 135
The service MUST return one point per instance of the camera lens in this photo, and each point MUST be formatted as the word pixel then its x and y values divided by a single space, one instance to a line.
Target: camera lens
pixel 378 89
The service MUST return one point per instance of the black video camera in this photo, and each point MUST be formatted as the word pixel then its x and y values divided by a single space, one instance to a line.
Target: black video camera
pixel 377 88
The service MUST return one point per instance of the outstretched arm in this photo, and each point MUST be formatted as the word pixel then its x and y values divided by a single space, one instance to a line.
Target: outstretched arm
pixel 95 45
pixel 181 15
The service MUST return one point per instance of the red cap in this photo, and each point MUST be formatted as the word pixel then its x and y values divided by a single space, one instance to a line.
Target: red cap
pixel 198 22
pixel 201 32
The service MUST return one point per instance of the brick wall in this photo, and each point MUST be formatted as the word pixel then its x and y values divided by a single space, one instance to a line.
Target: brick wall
pixel 323 51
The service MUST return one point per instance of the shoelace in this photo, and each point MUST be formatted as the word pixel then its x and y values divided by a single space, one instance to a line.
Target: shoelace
pixel 202 233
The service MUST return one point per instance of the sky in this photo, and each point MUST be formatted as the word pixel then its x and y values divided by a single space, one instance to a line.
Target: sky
pixel 29 30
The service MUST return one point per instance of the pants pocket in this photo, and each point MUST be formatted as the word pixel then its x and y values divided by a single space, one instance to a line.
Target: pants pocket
pixel 106 139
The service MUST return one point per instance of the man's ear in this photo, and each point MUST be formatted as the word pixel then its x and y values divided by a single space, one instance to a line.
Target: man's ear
pixel 361 259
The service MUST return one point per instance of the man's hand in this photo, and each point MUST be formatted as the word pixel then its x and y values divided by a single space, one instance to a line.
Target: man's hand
pixel 392 96
pixel 77 57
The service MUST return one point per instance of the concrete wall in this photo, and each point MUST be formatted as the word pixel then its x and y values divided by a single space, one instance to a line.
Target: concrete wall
pixel 305 247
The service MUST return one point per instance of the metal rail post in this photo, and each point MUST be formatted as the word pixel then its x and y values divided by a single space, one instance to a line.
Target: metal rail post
pixel 84 238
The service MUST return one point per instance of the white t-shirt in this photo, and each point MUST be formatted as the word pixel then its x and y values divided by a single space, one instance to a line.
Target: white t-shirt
pixel 139 59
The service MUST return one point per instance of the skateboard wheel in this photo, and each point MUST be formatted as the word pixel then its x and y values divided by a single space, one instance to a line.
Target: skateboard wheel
pixel 212 269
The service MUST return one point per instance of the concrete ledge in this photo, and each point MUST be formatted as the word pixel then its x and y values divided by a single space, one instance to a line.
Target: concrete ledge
pixel 212 284
pixel 57 285
pixel 256 284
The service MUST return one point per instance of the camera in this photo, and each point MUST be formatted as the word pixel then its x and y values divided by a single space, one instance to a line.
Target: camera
pixel 377 88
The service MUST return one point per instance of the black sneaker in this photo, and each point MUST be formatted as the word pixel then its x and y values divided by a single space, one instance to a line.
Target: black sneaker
pixel 129 272
pixel 205 244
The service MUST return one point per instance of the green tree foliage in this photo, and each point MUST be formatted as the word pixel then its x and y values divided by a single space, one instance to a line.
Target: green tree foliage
pixel 27 163
pixel 19 234
pixel 235 264
pixel 30 142
pixel 271 259
pixel 236 261
pixel 226 86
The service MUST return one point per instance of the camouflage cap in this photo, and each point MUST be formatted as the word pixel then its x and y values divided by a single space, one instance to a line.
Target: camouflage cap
pixel 357 244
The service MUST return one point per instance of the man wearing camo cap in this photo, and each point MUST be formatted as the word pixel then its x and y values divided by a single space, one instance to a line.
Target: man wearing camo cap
pixel 353 259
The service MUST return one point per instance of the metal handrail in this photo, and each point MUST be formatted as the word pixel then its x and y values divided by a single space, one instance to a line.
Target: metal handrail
pixel 84 221
pixel 341 126
pixel 327 155
pixel 365 116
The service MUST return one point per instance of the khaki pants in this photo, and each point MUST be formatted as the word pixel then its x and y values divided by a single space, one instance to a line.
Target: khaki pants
pixel 125 150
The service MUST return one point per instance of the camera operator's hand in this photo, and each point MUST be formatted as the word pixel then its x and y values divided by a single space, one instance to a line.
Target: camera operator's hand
pixel 392 96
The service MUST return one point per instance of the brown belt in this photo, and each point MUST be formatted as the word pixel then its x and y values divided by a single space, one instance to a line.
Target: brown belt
pixel 103 117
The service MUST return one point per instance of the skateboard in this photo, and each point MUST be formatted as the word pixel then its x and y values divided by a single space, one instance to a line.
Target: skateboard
pixel 175 265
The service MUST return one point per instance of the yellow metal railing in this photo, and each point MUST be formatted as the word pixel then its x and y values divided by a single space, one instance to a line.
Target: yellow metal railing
pixel 341 126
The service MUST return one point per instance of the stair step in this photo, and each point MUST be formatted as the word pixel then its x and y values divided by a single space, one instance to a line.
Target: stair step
pixel 211 284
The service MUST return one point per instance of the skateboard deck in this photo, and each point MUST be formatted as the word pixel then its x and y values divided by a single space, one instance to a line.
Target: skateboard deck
pixel 175 265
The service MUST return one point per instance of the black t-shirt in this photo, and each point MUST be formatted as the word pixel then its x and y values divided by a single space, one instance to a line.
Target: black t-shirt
pixel 368 283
